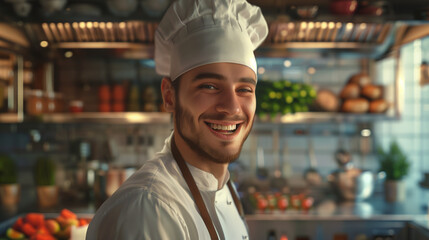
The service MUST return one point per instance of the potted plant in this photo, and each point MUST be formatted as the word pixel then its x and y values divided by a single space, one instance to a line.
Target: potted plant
pixel 47 191
pixel 9 187
pixel 395 164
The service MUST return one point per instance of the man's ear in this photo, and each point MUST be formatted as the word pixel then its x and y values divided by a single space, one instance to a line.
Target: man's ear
pixel 168 94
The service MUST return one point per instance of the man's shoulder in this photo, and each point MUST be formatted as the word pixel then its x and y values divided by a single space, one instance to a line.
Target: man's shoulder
pixel 155 181
pixel 157 176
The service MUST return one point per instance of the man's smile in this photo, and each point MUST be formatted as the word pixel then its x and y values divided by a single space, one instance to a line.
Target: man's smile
pixel 223 128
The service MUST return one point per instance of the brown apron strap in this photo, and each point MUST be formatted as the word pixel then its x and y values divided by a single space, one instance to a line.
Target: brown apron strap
pixel 194 190
pixel 236 199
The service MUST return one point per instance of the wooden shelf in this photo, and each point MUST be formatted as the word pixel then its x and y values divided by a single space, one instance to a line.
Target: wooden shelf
pixel 165 118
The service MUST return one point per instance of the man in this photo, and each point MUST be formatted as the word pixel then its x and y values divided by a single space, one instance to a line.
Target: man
pixel 204 48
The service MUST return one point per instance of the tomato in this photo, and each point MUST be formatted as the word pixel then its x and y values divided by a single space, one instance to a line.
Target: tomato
pixel 307 203
pixel 262 203
pixel 282 203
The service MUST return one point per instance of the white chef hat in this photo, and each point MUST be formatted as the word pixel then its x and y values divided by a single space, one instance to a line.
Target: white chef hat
pixel 198 32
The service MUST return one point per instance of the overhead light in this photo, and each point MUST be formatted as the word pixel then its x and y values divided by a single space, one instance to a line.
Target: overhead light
pixel 44 44
pixel 365 133
pixel 261 70
pixel 68 54
pixel 287 63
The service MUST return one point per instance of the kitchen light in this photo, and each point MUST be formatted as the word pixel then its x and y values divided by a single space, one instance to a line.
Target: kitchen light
pixel 287 63
pixel 365 133
pixel 44 44
pixel 311 70
pixel 68 54
pixel 261 70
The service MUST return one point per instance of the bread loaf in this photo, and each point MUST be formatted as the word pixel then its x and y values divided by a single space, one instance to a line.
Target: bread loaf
pixel 351 90
pixel 326 100
pixel 361 79
pixel 372 91
pixel 378 106
pixel 358 105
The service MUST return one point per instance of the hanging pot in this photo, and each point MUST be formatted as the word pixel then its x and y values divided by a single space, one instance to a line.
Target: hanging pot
pixel 9 195
pixel 47 196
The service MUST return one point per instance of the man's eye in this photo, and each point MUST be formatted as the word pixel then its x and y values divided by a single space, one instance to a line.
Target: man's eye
pixel 245 90
pixel 207 86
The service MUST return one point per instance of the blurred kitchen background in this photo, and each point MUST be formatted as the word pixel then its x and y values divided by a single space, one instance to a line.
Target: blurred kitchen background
pixel 78 86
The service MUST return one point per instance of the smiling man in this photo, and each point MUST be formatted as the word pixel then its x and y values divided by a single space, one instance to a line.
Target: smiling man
pixel 204 50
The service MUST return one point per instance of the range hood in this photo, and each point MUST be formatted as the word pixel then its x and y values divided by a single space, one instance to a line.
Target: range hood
pixel 288 37
pixel 285 37
pixel 126 34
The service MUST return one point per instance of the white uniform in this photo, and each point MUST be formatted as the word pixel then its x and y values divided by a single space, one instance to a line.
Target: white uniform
pixel 155 203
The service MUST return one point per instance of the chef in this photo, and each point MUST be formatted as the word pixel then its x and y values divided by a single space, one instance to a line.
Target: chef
pixel 204 51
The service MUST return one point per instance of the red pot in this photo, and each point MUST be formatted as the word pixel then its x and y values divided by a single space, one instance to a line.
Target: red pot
pixel 343 7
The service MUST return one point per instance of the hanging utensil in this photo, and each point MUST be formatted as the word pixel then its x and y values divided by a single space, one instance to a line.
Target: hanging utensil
pixel 311 175
pixel 342 156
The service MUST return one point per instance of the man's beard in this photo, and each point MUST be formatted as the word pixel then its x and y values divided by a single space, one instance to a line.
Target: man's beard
pixel 204 150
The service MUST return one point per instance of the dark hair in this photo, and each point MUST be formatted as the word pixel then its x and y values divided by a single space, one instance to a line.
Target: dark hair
pixel 176 84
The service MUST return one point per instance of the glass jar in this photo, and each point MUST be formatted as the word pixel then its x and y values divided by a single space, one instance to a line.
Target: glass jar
pixel 118 93
pixel 49 102
pixel 104 94
pixel 59 102
pixel 34 103
pixel 76 106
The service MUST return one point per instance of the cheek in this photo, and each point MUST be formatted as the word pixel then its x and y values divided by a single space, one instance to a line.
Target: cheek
pixel 194 104
pixel 201 102
pixel 250 106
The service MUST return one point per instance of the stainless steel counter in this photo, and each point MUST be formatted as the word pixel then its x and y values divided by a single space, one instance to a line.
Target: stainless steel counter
pixel 346 220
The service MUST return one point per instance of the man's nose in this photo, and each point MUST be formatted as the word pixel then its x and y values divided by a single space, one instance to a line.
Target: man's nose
pixel 228 102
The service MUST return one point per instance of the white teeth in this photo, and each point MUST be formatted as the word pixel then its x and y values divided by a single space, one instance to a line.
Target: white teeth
pixel 223 127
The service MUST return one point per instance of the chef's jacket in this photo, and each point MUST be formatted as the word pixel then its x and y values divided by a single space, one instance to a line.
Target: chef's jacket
pixel 156 203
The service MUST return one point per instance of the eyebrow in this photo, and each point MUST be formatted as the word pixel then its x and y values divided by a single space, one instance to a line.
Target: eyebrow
pixel 221 77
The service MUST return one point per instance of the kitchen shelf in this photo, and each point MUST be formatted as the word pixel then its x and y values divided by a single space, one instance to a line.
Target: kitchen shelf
pixel 319 117
pixel 96 117
pixel 10 118
pixel 165 118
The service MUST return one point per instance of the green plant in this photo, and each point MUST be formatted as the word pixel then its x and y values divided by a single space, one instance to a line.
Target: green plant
pixel 393 162
pixel 283 97
pixel 44 172
pixel 8 171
